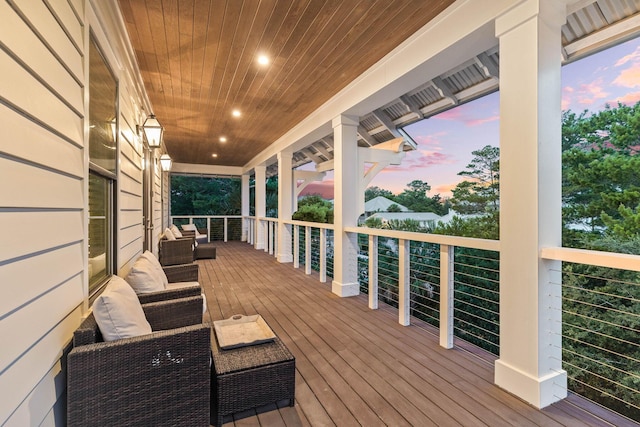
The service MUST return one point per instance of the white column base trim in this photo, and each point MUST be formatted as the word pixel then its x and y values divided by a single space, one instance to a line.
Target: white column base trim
pixel 259 245
pixel 285 258
pixel 540 392
pixel 345 289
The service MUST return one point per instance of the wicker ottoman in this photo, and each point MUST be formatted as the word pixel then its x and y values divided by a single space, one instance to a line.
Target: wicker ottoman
pixel 205 250
pixel 249 377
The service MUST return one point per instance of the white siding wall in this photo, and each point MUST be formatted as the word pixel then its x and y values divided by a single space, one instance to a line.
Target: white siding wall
pixel 43 191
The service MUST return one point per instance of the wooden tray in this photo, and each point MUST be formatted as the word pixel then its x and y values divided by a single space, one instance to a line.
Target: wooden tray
pixel 240 331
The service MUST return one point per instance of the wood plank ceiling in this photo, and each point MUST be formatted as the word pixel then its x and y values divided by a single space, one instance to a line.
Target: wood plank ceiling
pixel 198 60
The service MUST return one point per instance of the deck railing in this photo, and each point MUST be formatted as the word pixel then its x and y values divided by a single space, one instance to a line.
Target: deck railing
pixel 449 282
pixel 219 227
pixel 601 326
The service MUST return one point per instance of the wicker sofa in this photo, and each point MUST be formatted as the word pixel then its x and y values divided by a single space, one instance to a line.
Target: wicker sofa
pixel 158 379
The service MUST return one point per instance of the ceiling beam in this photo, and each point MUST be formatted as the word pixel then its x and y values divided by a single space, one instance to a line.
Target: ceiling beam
pixel 366 136
pixel 386 122
pixel 411 105
pixel 487 66
pixel 444 91
pixel 323 150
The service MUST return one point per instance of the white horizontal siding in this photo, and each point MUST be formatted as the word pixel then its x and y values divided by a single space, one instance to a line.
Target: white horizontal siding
pixel 35 378
pixel 29 232
pixel 27 186
pixel 43 202
pixel 69 22
pixel 25 92
pixel 45 24
pixel 24 139
pixel 26 45
pixel 30 278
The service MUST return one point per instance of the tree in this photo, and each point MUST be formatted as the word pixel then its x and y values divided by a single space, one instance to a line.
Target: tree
pixel 394 208
pixel 205 195
pixel 313 208
pixel 373 192
pixel 415 198
pixel 481 194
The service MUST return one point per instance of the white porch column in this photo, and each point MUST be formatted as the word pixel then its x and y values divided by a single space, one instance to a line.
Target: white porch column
pixel 345 206
pixel 245 206
pixel 285 205
pixel 530 201
pixel 261 204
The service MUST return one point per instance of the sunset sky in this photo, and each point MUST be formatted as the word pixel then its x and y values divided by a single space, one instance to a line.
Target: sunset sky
pixel 445 141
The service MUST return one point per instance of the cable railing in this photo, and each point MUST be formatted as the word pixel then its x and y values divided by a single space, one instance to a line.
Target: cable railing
pixel 449 282
pixel 477 297
pixel 600 338
pixel 216 227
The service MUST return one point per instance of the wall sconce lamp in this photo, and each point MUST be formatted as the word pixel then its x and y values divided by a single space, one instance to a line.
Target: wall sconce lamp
pixel 165 162
pixel 153 131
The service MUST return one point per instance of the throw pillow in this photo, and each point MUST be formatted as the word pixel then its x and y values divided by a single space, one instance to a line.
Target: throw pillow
pixel 189 227
pixel 118 312
pixel 157 267
pixel 176 232
pixel 168 234
pixel 144 278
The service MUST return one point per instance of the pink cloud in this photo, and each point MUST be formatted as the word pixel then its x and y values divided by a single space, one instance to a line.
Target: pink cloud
pixel 627 58
pixel 432 140
pixel 478 122
pixel 444 189
pixel 628 99
pixel 468 114
pixel 424 159
pixel 629 77
pixel 567 93
pixel 589 93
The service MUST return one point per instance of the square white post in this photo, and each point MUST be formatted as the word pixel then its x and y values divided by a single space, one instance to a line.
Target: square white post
pixel 285 206
pixel 296 246
pixel 261 205
pixel 345 206
pixel 245 207
pixel 323 255
pixel 404 286
pixel 446 295
pixel 373 272
pixel 307 250
pixel 530 364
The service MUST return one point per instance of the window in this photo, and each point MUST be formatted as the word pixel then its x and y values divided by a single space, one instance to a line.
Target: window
pixel 103 113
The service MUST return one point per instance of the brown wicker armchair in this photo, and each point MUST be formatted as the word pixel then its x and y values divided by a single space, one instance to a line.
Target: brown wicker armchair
pixel 159 379
pixel 175 252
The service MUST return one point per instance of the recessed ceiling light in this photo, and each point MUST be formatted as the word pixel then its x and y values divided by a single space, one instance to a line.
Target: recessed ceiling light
pixel 223 139
pixel 214 155
pixel 263 60
pixel 236 113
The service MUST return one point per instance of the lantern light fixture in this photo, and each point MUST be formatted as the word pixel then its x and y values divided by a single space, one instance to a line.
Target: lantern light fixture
pixel 153 131
pixel 165 162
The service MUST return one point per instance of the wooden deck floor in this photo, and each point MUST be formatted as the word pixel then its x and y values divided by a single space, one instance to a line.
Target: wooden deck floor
pixel 356 366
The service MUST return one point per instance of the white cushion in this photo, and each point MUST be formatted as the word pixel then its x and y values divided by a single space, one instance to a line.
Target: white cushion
pixel 118 312
pixel 144 277
pixel 157 267
pixel 178 285
pixel 168 234
pixel 175 230
pixel 189 227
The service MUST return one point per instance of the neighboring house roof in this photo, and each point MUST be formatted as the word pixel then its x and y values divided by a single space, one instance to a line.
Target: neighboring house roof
pixel 381 204
pixel 422 217
pixel 401 216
